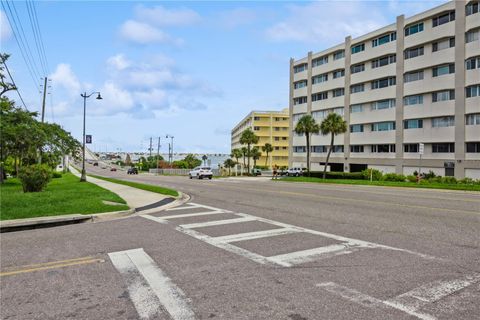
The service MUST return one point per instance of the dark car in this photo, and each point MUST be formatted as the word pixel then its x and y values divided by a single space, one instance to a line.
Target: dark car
pixel 95 164
pixel 132 171
pixel 256 172
pixel 113 169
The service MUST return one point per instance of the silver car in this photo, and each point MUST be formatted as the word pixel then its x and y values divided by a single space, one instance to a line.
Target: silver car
pixel 201 172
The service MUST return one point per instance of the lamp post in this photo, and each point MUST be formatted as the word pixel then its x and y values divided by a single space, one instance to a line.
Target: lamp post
pixel 170 155
pixel 83 178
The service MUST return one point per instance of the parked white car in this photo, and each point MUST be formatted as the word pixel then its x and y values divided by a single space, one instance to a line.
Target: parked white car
pixel 295 172
pixel 201 172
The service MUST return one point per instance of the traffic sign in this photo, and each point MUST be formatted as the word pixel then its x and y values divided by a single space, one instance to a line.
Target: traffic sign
pixel 88 138
pixel 421 148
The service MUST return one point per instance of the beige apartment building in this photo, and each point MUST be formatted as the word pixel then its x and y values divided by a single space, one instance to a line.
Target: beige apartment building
pixel 411 84
pixel 271 127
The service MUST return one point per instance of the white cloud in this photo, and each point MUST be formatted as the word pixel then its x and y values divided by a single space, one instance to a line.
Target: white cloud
pixel 115 99
pixel 322 21
pixel 63 77
pixel 5 30
pixel 144 33
pixel 118 62
pixel 237 17
pixel 409 7
pixel 161 16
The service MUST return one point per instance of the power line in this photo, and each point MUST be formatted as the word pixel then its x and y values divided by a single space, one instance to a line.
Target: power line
pixel 19 43
pixel 36 38
pixel 39 31
pixel 13 82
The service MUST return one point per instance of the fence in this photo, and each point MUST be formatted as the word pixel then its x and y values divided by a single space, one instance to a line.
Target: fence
pixel 178 172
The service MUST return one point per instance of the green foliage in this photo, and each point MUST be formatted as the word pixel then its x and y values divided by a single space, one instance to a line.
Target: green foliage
pixel 376 174
pixel 149 163
pixel 56 174
pixel 307 125
pixel 394 177
pixel 333 124
pixel 237 154
pixel 338 175
pixel 189 162
pixel 267 148
pixel 142 186
pixel 412 178
pixel 35 177
pixel 248 137
pixel 429 175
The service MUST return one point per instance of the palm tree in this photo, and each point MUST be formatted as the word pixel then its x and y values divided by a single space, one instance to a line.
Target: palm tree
pixel 204 158
pixel 229 163
pixel 248 137
pixel 237 154
pixel 307 125
pixel 333 124
pixel 255 154
pixel 267 148
pixel 244 154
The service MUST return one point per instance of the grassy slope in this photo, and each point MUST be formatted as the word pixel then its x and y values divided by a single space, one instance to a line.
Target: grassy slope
pixel 386 183
pixel 64 195
pixel 147 187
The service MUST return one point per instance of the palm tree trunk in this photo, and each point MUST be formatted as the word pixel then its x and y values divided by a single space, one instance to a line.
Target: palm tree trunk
pixel 248 158
pixel 307 135
pixel 266 159
pixel 328 157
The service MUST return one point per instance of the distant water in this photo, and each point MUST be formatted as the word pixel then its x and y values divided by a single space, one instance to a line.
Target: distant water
pixel 213 159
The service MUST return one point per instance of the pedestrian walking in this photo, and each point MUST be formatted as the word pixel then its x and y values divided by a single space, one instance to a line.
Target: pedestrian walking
pixel 274 176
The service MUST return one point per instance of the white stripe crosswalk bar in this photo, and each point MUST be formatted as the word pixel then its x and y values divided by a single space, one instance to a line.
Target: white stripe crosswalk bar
pixel 186 215
pixel 217 222
pixel 255 235
pixel 186 207
pixel 208 207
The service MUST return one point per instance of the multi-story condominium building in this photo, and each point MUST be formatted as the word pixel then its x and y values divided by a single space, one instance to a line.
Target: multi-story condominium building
pixel 411 84
pixel 271 127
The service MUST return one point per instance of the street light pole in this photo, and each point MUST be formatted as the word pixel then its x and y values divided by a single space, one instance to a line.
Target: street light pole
pixel 170 149
pixel 83 177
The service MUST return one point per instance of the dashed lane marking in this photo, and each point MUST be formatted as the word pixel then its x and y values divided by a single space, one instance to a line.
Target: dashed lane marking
pixel 150 290
pixel 409 302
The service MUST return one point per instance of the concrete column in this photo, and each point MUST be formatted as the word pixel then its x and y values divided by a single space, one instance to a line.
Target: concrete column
pixel 290 113
pixel 309 84
pixel 346 141
pixel 399 95
pixel 460 89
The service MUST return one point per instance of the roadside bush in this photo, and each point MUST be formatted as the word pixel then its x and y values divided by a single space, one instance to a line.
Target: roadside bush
pixel 337 175
pixel 56 175
pixel 412 178
pixel 466 181
pixel 449 180
pixel 435 179
pixel 376 174
pixel 394 177
pixel 429 175
pixel 34 178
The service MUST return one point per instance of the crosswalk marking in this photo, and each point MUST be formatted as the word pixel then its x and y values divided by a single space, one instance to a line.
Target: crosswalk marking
pixel 255 235
pixel 196 214
pixel 188 206
pixel 217 222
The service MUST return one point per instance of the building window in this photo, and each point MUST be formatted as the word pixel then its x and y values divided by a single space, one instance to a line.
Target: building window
pixel 357 88
pixel 284 138
pixel 322 114
pixel 339 110
pixel 472 63
pixel 412 100
pixel 383 126
pixel 256 118
pixel 338 73
pixel 277 148
pixel 443 18
pixel 300 68
pixel 320 78
pixel 337 149
pixel 338 92
pixel 471 8
pixel 383 104
pixel 442 70
pixel 414 52
pixel 443 147
pixel 339 55
pixel 383 83
pixel 356 128
pixel 414 28
pixel 442 122
pixel 471 36
pixel 413 124
pixel 413 76
pixel 358 68
pixel 443 44
pixel 356 148
pixel 318 149
pixel 354 108
pixel 297 116
pixel 256 128
pixel 299 100
pixel 472 91
pixel 473 147
pixel 380 62
pixel 276 138
pixel 299 149
pixel 320 96
pixel 382 148
pixel 319 61
pixel 410 147
pixel 473 119
pixel 358 48
pixel 384 39
pixel 300 84
pixel 443 95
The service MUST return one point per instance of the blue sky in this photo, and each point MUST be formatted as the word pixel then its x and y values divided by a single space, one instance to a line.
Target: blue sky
pixel 188 69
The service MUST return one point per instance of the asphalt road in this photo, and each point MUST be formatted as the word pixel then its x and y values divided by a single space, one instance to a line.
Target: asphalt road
pixel 256 249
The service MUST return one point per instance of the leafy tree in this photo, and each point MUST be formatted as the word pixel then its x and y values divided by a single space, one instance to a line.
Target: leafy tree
pixel 255 154
pixel 333 124
pixel 248 137
pixel 229 163
pixel 237 154
pixel 5 86
pixel 267 148
pixel 128 160
pixel 307 125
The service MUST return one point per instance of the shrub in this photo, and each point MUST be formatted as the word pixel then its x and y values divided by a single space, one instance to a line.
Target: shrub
pixel 394 177
pixel 435 179
pixel 412 178
pixel 448 180
pixel 466 181
pixel 376 174
pixel 56 175
pixel 429 175
pixel 337 175
pixel 34 178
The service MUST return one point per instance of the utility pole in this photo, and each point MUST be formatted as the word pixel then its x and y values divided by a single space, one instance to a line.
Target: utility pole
pixel 150 149
pixel 44 96
pixel 158 153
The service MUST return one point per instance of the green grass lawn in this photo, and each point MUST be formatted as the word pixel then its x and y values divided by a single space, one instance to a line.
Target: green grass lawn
pixel 466 187
pixel 147 187
pixel 64 195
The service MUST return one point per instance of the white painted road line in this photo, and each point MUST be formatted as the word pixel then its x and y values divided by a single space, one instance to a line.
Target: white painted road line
pixel 187 206
pixel 297 257
pixel 186 215
pixel 217 223
pixel 208 207
pixel 150 290
pixel 255 235
pixel 153 218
